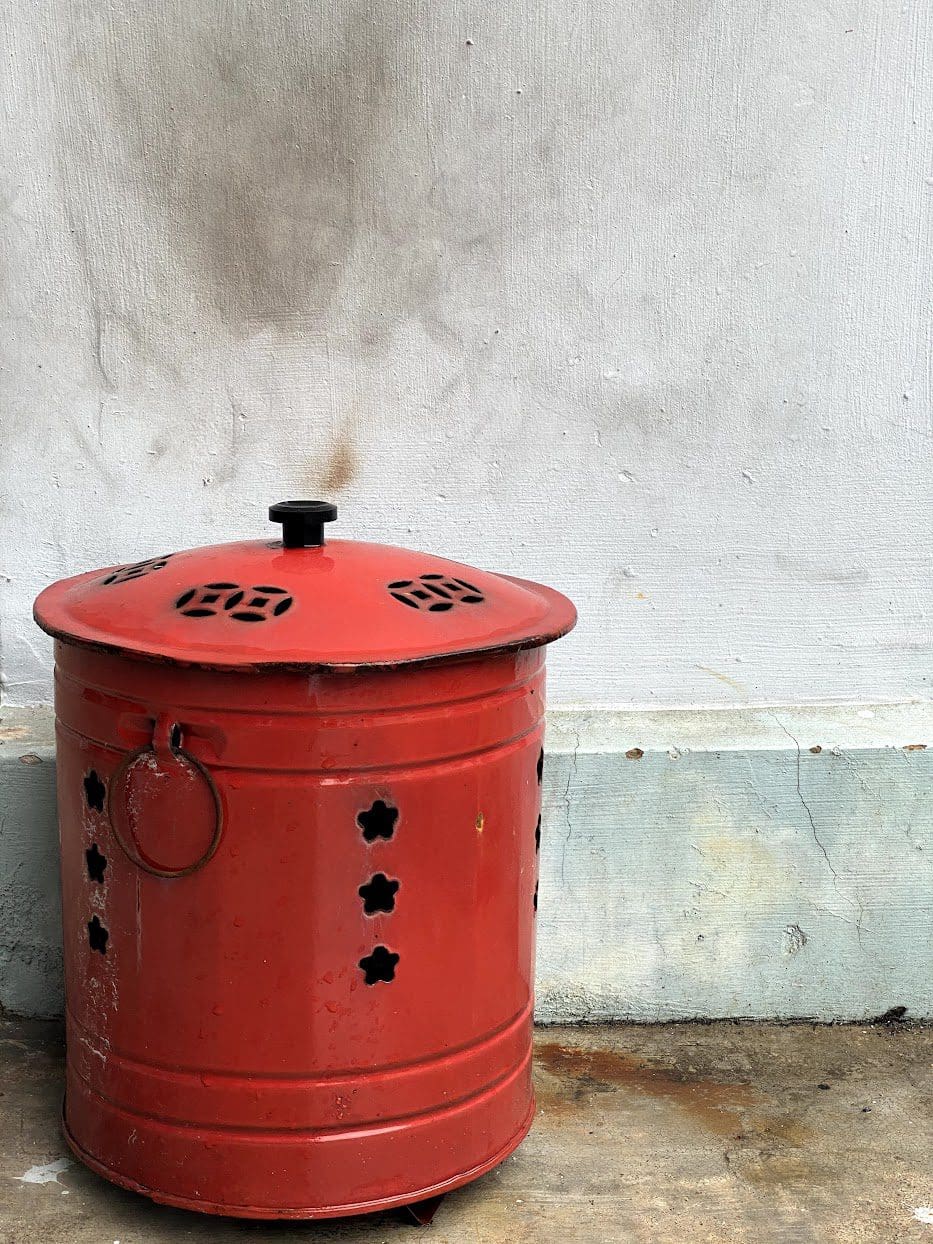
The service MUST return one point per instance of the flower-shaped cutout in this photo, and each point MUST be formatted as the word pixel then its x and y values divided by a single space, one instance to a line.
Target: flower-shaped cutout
pixel 378 894
pixel 378 821
pixel 97 935
pixel 380 965
pixel 94 791
pixel 96 863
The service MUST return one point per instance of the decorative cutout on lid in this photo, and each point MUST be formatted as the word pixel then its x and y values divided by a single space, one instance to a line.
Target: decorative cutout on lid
pixel 435 593
pixel 126 574
pixel 259 603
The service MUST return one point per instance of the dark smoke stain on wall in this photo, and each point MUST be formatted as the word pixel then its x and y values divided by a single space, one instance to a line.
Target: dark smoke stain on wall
pixel 227 117
pixel 286 162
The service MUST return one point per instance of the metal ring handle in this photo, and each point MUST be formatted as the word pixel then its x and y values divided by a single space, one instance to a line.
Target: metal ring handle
pixel 169 733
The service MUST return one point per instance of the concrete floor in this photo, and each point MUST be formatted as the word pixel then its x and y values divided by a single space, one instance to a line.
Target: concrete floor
pixel 658 1133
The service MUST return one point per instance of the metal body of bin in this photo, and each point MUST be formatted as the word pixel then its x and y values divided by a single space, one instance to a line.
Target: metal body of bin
pixel 300 812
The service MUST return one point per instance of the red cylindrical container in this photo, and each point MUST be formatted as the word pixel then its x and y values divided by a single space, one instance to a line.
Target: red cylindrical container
pixel 300 811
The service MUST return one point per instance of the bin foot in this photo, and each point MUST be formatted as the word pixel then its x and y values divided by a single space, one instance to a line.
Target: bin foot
pixel 422 1212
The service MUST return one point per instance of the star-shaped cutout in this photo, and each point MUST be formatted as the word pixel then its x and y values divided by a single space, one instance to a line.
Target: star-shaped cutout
pixel 379 966
pixel 538 835
pixel 541 764
pixel 378 894
pixel 96 863
pixel 378 821
pixel 97 935
pixel 94 791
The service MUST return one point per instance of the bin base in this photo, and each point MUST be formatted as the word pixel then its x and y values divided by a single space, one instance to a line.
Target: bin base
pixel 409 1200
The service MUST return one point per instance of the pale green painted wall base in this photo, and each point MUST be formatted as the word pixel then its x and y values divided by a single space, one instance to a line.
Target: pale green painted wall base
pixel 694 863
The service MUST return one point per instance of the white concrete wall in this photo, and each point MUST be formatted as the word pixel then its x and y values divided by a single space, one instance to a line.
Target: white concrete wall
pixel 629 296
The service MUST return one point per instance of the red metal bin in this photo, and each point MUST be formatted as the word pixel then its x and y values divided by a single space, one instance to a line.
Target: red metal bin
pixel 299 801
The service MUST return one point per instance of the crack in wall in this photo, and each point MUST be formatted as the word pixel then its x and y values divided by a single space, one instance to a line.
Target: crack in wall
pixel 806 806
pixel 853 898
pixel 565 799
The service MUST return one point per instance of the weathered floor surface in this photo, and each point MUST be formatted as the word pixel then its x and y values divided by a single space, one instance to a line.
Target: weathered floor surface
pixel 669 1133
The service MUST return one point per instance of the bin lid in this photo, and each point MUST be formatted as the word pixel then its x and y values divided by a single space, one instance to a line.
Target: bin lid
pixel 299 602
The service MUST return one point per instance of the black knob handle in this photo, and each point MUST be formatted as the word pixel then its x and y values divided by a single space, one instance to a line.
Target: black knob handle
pixel 302 522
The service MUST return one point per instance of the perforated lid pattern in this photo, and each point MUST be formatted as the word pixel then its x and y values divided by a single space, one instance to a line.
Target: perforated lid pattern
pixel 126 574
pixel 259 603
pixel 340 604
pixel 436 593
